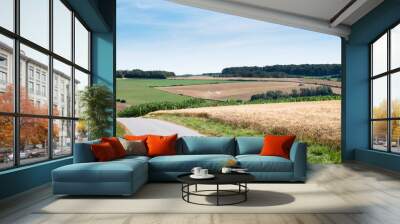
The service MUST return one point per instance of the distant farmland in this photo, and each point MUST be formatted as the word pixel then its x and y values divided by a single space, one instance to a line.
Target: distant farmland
pixel 242 90
pixel 137 91
pixel 309 80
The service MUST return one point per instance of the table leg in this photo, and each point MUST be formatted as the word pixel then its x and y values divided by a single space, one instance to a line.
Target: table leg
pixel 195 188
pixel 188 189
pixel 245 193
pixel 182 190
pixel 217 194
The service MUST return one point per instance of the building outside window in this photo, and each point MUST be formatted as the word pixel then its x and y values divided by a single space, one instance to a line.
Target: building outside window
pixel 38 89
pixel 3 61
pixel 44 77
pixel 30 72
pixel 55 96
pixel 30 87
pixel 3 72
pixel 3 78
pixel 34 75
pixel 43 90
pixel 37 74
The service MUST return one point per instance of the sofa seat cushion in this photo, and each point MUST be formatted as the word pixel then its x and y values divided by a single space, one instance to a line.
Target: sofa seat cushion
pixel 185 163
pixel 133 158
pixel 112 171
pixel 257 163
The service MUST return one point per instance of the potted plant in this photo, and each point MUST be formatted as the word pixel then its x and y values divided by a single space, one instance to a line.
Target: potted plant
pixel 97 103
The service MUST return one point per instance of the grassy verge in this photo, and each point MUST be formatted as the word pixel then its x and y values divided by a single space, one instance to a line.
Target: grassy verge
pixel 121 130
pixel 317 153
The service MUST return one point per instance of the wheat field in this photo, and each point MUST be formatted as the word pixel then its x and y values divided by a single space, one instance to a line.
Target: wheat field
pixel 317 121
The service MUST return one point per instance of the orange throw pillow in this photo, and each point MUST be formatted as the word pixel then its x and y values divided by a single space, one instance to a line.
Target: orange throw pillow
pixel 103 152
pixel 136 137
pixel 116 145
pixel 275 145
pixel 161 145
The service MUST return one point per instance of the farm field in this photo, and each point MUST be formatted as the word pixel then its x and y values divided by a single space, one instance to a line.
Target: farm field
pixel 137 91
pixel 239 90
pixel 316 122
pixel 306 80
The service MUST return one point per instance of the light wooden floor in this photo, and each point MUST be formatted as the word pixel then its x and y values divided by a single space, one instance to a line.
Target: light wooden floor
pixel 379 189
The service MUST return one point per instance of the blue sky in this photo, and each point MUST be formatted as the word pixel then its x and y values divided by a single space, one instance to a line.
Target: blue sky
pixel 161 35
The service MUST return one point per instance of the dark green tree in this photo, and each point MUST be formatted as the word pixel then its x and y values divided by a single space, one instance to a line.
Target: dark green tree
pixel 97 104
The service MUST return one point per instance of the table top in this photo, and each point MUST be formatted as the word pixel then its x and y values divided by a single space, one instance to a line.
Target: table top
pixel 220 178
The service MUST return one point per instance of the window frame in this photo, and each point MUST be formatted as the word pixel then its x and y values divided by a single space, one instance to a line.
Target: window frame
pixel 16 114
pixel 3 70
pixel 388 74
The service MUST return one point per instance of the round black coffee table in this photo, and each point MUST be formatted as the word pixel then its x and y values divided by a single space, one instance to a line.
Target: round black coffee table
pixel 238 179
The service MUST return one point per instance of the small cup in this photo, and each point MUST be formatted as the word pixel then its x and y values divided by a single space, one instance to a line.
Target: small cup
pixel 196 171
pixel 203 172
pixel 226 170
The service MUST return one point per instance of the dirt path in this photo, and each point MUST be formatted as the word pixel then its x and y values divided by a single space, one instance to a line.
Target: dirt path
pixel 141 126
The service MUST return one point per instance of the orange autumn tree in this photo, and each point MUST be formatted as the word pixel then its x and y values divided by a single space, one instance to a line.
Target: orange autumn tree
pixel 6 122
pixel 380 127
pixel 33 131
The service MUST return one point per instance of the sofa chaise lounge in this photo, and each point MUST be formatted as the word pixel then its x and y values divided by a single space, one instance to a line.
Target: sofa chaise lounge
pixel 125 176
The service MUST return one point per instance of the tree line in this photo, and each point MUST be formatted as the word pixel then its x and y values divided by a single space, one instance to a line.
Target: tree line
pixel 303 92
pixel 283 71
pixel 137 73
pixel 273 71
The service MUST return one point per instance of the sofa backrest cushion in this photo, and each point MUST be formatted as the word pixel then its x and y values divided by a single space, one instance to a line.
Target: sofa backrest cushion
pixel 196 145
pixel 249 145
pixel 83 152
pixel 161 145
pixel 118 148
pixel 104 151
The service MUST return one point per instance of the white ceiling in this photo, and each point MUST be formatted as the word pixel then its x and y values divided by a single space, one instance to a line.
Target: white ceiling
pixel 321 9
pixel 315 15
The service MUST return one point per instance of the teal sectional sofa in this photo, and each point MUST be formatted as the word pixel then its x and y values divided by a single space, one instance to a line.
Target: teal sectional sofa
pixel 125 176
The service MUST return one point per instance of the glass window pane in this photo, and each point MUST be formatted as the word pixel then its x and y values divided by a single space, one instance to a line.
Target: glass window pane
pixel 81 131
pixel 395 94
pixel 62 28
pixel 33 140
pixel 81 82
pixel 62 138
pixel 6 142
pixel 62 89
pixel 379 135
pixel 34 72
pixel 6 74
pixel 7 14
pixel 35 21
pixel 379 97
pixel 395 136
pixel 395 47
pixel 379 55
pixel 81 45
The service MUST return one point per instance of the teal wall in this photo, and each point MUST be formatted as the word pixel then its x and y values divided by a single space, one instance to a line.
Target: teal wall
pixel 355 62
pixel 103 64
pixel 99 15
pixel 24 178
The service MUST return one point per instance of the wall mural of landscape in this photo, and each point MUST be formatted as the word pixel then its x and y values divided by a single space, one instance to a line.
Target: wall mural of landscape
pixel 243 101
